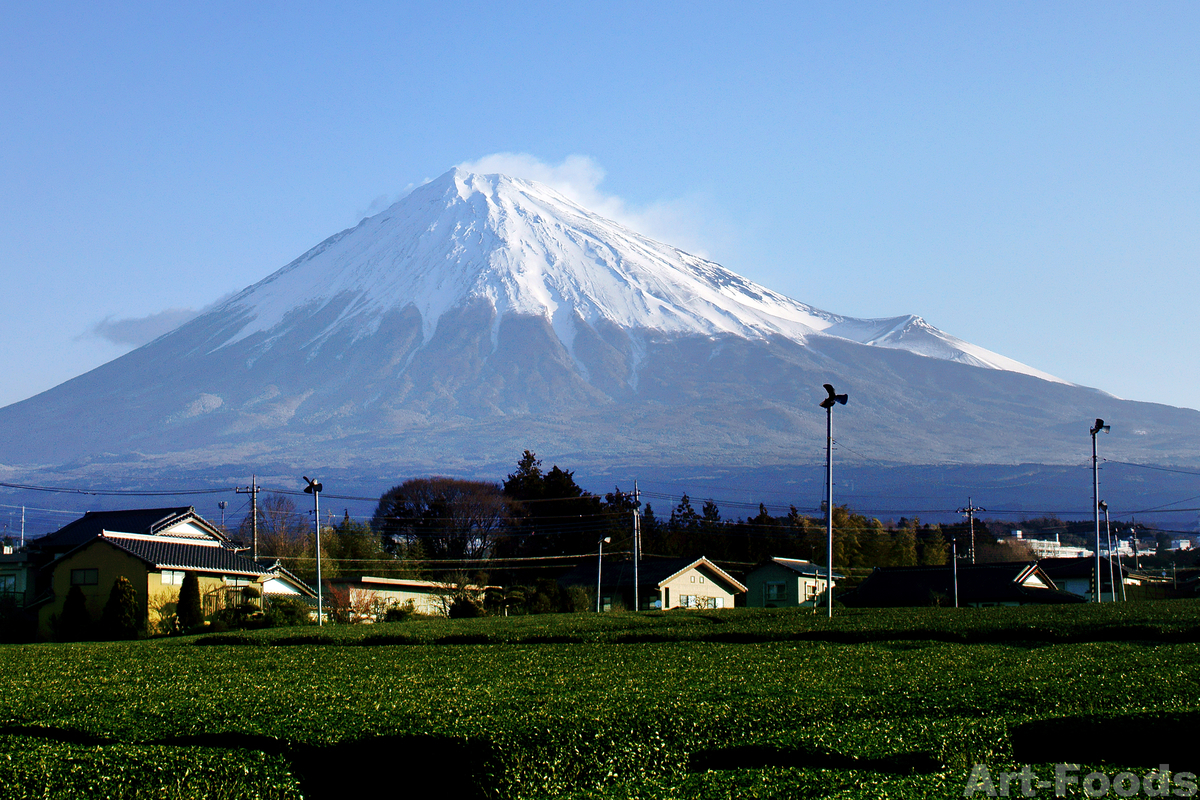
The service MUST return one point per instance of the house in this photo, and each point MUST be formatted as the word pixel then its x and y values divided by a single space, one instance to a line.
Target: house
pixel 17 576
pixel 154 549
pixel 786 583
pixel 1010 583
pixel 1078 575
pixel 378 594
pixel 662 583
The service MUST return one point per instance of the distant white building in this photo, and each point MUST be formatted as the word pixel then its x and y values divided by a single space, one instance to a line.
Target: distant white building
pixel 1045 548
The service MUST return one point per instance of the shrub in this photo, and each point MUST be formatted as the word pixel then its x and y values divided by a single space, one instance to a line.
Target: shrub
pixel 190 614
pixel 400 612
pixel 247 615
pixel 287 611
pixel 463 607
pixel 76 622
pixel 579 598
pixel 122 618
pixel 16 624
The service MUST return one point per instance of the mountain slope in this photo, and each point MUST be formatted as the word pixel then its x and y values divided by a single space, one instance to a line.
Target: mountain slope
pixel 482 315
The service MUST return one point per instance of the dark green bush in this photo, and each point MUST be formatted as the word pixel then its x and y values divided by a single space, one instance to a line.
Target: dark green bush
pixel 286 611
pixel 76 623
pixel 247 615
pixel 123 617
pixel 463 607
pixel 399 612
pixel 16 624
pixel 190 614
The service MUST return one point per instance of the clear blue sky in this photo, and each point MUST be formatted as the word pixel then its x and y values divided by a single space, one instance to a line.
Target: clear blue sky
pixel 1025 176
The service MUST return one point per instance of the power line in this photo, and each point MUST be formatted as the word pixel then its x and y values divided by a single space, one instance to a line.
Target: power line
pixel 112 492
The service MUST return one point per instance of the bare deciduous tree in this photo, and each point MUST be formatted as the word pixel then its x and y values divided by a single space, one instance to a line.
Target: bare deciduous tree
pixel 449 517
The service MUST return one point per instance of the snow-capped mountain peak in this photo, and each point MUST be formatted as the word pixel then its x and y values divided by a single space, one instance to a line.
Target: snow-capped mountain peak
pixel 527 250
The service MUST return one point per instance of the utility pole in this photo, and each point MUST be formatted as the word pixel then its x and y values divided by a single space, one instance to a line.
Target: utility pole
pixel 969 511
pixel 251 490
pixel 22 527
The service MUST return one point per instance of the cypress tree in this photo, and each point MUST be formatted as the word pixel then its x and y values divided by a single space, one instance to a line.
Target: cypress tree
pixel 189 611
pixel 75 623
pixel 122 618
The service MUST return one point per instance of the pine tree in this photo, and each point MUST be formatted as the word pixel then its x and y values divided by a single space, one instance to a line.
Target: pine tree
pixel 122 618
pixel 189 612
pixel 933 548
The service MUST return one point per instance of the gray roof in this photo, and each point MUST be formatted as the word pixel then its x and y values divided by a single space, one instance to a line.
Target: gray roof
pixel 801 567
pixel 130 520
pixel 169 554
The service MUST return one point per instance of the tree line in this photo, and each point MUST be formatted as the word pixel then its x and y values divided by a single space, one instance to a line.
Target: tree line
pixel 521 528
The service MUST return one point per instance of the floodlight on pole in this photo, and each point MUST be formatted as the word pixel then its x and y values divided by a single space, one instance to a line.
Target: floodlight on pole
pixel 599 568
pixel 1099 426
pixel 828 404
pixel 314 488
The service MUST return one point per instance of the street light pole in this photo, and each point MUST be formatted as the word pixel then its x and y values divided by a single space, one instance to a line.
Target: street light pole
pixel 828 404
pixel 599 568
pixel 314 488
pixel 1112 581
pixel 1099 426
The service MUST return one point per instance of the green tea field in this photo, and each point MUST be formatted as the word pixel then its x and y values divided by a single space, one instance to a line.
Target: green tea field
pixel 733 704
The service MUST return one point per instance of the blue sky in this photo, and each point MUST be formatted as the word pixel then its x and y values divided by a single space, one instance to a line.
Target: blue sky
pixel 1025 176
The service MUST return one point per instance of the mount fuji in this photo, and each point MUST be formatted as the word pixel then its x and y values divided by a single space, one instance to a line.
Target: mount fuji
pixel 482 315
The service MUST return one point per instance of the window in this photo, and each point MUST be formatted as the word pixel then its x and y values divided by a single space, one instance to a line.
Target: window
pixel 8 584
pixel 172 577
pixel 774 591
pixel 693 579
pixel 702 579
pixel 85 577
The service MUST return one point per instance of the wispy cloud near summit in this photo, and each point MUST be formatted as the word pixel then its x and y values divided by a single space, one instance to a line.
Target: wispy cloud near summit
pixel 689 222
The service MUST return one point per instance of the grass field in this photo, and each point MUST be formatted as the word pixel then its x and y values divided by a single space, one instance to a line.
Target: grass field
pixel 740 703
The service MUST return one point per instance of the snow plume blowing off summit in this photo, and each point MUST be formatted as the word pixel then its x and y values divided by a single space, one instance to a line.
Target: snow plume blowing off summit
pixel 482 315
pixel 525 249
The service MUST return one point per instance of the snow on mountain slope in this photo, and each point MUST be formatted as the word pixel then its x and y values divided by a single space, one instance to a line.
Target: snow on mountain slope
pixel 527 250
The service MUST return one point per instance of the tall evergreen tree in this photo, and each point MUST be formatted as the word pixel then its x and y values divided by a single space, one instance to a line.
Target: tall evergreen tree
pixel 189 611
pixel 904 545
pixel 76 623
pixel 123 617
pixel 555 515
pixel 934 550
